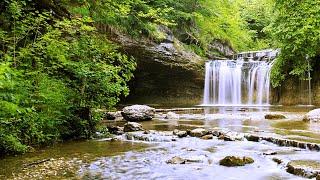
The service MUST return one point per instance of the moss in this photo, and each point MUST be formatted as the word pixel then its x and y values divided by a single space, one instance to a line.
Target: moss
pixel 296 128
pixel 306 163
pixel 274 116
pixel 289 125
pixel 231 161
pixel 305 168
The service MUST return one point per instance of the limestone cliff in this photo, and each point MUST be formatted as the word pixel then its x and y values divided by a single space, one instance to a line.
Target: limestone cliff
pixel 166 74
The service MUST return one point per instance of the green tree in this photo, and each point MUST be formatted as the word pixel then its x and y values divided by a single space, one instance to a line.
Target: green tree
pixel 54 74
pixel 297 31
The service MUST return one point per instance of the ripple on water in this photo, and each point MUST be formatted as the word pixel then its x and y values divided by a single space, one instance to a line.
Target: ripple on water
pixel 151 163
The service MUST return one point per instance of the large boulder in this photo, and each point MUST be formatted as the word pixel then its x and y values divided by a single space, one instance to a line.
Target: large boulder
pixel 138 113
pixel 231 161
pixel 313 115
pixel 132 126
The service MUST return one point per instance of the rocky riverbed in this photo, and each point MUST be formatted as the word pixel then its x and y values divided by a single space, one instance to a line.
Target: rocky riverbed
pixel 187 144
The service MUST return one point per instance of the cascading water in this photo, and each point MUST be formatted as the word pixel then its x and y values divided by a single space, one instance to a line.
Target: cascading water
pixel 237 82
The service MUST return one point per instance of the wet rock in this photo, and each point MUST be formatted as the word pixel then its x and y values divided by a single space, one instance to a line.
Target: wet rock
pixel 188 149
pixel 199 132
pixel 146 132
pixel 270 153
pixel 179 160
pixel 180 134
pixel 132 126
pixel 252 138
pixel 313 147
pixel 216 133
pixel 133 137
pixel 110 116
pixel 277 160
pixel 188 132
pixel 231 161
pixel 274 116
pixel 113 115
pixel 243 109
pixel 305 168
pixel 226 137
pixel 207 137
pixel 176 160
pixel 211 149
pixel 292 143
pixel 153 136
pixel 231 136
pixel 117 130
pixel 172 115
pixel 313 115
pixel 318 177
pixel 138 113
pixel 194 159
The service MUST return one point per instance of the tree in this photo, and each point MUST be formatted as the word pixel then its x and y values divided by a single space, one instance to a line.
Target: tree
pixel 297 31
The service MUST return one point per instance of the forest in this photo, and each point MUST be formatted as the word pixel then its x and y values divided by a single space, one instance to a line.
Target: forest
pixel 59 67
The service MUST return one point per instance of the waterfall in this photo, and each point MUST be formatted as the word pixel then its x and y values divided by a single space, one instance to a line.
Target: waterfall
pixel 237 82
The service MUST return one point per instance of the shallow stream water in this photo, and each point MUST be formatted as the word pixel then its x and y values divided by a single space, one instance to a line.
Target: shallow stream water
pixel 124 159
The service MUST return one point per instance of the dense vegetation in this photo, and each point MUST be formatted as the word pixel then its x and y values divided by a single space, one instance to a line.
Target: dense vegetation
pixel 57 67
pixel 54 73
pixel 296 31
pixel 197 23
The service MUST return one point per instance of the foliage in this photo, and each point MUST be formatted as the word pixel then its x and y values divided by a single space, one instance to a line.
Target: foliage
pixel 297 31
pixel 53 74
pixel 194 22
pixel 259 14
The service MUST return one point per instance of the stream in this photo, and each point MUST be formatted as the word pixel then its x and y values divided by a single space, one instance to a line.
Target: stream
pixel 136 159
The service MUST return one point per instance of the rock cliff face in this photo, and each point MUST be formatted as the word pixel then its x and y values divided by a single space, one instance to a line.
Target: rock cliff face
pixel 166 73
pixel 158 84
pixel 294 91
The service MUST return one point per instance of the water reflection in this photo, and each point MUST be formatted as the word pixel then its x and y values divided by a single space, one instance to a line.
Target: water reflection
pixel 245 119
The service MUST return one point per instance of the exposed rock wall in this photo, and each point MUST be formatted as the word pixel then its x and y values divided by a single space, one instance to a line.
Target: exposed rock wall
pixel 158 84
pixel 295 92
pixel 166 74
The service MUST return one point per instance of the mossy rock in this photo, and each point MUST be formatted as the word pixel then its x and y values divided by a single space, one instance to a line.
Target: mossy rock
pixel 305 168
pixel 231 161
pixel 274 116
